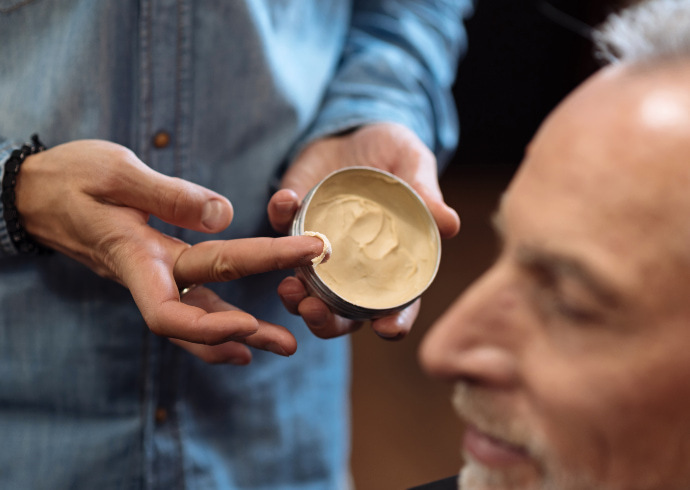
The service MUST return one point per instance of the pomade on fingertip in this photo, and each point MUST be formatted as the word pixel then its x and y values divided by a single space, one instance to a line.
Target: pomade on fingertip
pixel 327 249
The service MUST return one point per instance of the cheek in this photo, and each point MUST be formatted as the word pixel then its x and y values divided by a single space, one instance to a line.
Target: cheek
pixel 611 421
pixel 568 416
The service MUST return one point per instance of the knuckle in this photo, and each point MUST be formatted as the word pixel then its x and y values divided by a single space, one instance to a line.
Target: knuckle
pixel 278 258
pixel 226 266
pixel 123 154
pixel 115 167
pixel 225 270
pixel 176 200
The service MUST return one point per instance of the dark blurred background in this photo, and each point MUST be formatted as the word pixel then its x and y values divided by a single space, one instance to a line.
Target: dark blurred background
pixel 523 58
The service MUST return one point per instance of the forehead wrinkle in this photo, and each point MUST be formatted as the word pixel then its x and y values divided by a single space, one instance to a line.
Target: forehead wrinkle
pixel 559 265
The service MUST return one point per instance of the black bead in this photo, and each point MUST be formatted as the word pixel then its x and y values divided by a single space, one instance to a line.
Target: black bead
pixel 20 238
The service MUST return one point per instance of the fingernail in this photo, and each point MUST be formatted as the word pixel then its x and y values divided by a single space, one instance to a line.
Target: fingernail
pixel 213 215
pixel 391 335
pixel 275 348
pixel 239 361
pixel 286 207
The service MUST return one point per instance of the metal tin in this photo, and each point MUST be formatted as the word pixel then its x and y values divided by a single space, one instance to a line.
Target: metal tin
pixel 380 186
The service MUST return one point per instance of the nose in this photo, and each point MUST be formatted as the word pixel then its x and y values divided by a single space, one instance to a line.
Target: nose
pixel 477 338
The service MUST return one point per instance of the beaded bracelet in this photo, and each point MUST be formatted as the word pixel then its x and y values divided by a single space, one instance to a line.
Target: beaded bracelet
pixel 20 238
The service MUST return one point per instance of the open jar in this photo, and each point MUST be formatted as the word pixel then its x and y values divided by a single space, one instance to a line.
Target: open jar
pixel 386 245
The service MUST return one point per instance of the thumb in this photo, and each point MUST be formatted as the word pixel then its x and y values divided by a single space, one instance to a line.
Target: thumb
pixel 177 201
pixel 447 219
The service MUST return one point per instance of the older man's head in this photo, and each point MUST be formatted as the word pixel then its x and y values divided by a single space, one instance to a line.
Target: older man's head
pixel 571 355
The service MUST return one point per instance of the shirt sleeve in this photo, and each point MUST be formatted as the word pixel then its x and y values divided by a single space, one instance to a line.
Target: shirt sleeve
pixel 398 65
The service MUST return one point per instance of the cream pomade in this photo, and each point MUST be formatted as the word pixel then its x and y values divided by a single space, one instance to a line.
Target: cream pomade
pixel 385 244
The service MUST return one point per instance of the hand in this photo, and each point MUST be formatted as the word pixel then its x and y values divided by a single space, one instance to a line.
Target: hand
pixel 91 200
pixel 220 261
pixel 386 146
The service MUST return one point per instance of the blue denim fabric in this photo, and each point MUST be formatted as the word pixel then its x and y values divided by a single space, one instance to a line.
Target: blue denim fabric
pixel 89 398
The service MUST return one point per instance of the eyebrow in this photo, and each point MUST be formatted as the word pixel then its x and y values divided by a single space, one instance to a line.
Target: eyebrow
pixel 559 266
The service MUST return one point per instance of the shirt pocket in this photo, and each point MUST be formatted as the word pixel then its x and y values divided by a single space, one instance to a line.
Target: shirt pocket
pixel 7 6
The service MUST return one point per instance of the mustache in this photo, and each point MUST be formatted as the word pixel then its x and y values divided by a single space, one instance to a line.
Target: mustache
pixel 488 411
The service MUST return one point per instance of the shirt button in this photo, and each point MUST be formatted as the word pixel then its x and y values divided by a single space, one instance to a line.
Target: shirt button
pixel 161 415
pixel 161 139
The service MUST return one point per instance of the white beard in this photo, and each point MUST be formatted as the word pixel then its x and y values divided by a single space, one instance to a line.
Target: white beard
pixel 475 476
pixel 476 406
pixel 550 472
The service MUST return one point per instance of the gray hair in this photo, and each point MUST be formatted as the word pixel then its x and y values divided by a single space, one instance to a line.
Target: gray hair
pixel 652 30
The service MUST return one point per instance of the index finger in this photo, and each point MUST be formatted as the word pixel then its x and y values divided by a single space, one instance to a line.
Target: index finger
pixel 220 261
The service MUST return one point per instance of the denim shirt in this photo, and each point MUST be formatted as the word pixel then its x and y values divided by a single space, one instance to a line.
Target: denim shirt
pixel 89 398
